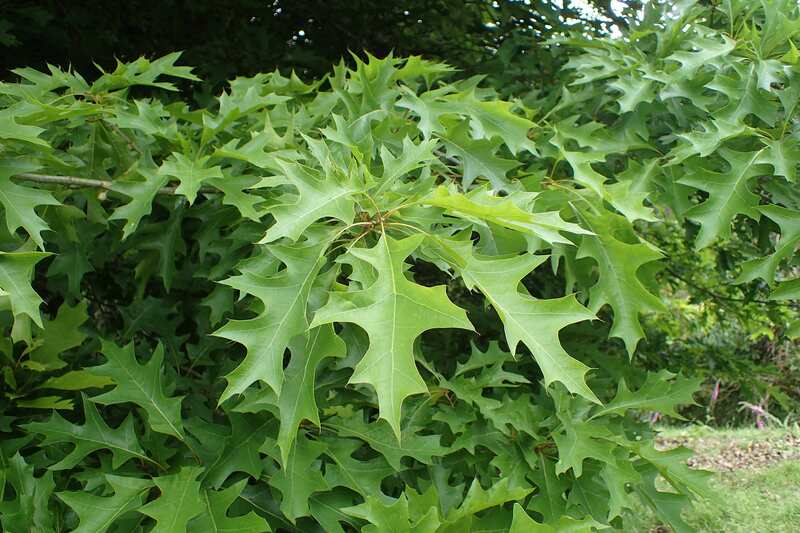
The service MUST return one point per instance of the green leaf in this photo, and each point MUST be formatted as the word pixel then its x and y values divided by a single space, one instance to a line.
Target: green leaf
pixel 394 517
pixel 364 477
pixel 317 197
pixel 61 334
pixel 20 201
pixel 285 296
pixel 296 401
pixel 522 523
pixel 478 499
pixel 534 322
pixel 380 437
pixel 765 267
pixel 300 477
pixel 140 384
pixel 660 392
pixel 478 157
pixel 179 502
pixel 394 312
pixel 11 129
pixel 92 436
pixel 482 205
pixel 16 271
pixel 618 283
pixel 77 380
pixel 191 173
pixel 494 118
pixel 239 451
pixel 784 156
pixel 215 519
pixel 411 157
pixel 28 509
pixel 729 193
pixel 141 193
pixel 98 513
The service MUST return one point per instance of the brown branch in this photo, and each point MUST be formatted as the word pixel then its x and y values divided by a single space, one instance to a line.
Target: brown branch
pixel 73 181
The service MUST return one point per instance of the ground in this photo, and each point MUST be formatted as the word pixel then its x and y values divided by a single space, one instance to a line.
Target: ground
pixel 757 476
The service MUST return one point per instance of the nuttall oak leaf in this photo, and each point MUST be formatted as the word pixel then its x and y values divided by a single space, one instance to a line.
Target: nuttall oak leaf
pixel 523 523
pixel 19 201
pixel 179 502
pixel 393 516
pixel 297 401
pixel 548 500
pixel 788 220
pixel 28 509
pixel 479 499
pixel 60 334
pixel 285 298
pixel 428 107
pixel 300 477
pixel 493 118
pixel 478 157
pixel 393 311
pixel 93 435
pixel 11 129
pixel 729 194
pixel 143 71
pixel 411 157
pixel 364 477
pixel 380 437
pixel 581 440
pixel 783 155
pixel 618 477
pixel 618 283
pixel 238 451
pixel 706 51
pixel 233 193
pixel 529 320
pixel 671 464
pixel 667 506
pixel 634 89
pixel 98 513
pixel 215 517
pixel 318 196
pixel 191 173
pixel 141 187
pixel 254 151
pixel 787 290
pixel 662 391
pixel 140 384
pixel 16 270
pixel 482 205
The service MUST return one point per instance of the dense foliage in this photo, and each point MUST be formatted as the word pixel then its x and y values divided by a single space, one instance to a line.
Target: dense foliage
pixel 380 301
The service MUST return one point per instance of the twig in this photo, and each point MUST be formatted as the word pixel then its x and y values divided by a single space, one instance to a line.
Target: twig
pixel 73 181
pixel 726 298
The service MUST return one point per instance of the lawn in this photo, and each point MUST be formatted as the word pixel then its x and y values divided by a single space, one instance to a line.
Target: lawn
pixel 757 476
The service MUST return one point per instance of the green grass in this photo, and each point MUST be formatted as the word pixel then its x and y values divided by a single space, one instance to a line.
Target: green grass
pixel 754 500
